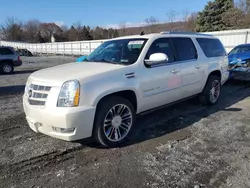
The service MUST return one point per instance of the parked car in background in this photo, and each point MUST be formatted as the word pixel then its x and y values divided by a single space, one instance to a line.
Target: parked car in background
pixel 9 59
pixel 239 61
pixel 24 52
pixel 121 78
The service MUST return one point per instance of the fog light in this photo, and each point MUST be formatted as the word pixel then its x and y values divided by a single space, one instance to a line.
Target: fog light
pixel 38 124
pixel 63 130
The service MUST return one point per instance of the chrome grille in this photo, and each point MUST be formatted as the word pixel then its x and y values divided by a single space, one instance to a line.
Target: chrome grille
pixel 37 94
pixel 36 103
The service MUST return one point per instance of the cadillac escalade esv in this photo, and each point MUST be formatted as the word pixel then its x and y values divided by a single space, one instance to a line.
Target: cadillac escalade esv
pixel 124 76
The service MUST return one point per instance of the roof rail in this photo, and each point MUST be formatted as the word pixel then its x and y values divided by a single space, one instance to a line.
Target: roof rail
pixel 183 33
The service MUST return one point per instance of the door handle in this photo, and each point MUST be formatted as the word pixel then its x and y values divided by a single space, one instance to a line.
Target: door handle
pixel 197 66
pixel 174 71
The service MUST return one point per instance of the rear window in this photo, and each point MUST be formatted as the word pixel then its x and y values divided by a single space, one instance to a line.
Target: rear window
pixel 211 47
pixel 6 51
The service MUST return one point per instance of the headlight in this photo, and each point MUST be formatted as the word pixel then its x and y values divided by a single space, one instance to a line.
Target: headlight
pixel 69 95
pixel 27 87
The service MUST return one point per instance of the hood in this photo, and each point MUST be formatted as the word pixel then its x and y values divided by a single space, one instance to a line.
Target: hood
pixel 234 58
pixel 62 73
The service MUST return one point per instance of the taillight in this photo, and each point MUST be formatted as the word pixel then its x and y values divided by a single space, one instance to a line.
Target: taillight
pixel 19 58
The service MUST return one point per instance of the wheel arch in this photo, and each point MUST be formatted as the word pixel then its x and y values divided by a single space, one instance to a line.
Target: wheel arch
pixel 215 73
pixel 6 61
pixel 128 94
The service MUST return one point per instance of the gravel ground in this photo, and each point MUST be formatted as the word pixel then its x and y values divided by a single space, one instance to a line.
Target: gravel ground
pixel 186 145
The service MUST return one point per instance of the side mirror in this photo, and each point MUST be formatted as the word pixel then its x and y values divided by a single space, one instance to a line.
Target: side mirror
pixel 157 58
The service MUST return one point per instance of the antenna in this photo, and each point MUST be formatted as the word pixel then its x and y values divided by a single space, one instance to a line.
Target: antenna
pixel 142 33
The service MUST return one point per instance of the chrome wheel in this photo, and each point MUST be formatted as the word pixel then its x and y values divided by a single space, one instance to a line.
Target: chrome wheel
pixel 7 68
pixel 117 122
pixel 215 91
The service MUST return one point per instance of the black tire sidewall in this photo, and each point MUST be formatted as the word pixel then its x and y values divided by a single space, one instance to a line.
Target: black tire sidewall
pixel 102 109
pixel 2 68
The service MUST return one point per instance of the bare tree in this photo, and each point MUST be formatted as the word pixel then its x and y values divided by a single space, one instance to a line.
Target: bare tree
pixel 191 21
pixel 11 29
pixel 31 30
pixel 47 30
pixel 71 34
pixel 185 15
pixel 64 28
pixel 78 27
pixel 151 20
pixel 235 18
pixel 243 5
pixel 152 23
pixel 123 29
pixel 171 15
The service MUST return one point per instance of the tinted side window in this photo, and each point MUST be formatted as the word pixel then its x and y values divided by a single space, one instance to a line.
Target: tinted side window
pixel 161 45
pixel 185 48
pixel 211 47
pixel 5 51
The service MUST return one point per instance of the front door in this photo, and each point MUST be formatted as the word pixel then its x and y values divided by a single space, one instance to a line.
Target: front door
pixel 160 84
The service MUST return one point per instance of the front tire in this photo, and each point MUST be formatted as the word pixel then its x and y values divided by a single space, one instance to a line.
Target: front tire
pixel 211 93
pixel 6 68
pixel 114 120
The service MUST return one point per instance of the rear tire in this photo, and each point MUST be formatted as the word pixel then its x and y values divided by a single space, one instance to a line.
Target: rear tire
pixel 211 93
pixel 6 68
pixel 114 120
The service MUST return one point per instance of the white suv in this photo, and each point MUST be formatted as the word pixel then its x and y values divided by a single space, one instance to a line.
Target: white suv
pixel 125 76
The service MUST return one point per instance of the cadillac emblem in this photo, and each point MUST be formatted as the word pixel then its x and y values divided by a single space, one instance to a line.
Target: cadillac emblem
pixel 30 93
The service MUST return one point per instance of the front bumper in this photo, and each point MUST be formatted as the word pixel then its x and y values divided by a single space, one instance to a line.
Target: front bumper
pixel 240 75
pixel 43 120
pixel 240 70
pixel 225 76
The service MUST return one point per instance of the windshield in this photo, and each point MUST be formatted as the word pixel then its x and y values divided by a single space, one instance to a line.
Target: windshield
pixel 123 51
pixel 240 49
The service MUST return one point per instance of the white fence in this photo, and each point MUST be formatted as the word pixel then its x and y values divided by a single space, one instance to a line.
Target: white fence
pixel 232 38
pixel 229 38
pixel 66 48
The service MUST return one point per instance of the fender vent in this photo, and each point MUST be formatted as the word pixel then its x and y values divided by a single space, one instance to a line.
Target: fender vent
pixel 130 75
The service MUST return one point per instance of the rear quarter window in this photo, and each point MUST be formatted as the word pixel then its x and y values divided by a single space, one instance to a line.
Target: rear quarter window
pixel 211 47
pixel 6 51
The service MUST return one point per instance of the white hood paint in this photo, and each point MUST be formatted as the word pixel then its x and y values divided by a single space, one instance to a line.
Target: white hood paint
pixel 71 71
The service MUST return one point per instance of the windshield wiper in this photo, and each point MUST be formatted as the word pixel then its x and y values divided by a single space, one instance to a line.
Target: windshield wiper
pixel 87 60
pixel 106 61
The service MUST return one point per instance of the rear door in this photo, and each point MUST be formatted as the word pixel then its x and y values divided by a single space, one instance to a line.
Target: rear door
pixel 191 68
